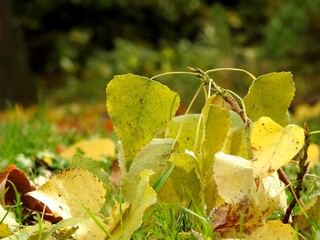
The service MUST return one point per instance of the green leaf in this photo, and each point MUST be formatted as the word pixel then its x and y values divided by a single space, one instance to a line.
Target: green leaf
pixel 270 95
pixel 139 108
pixel 309 216
pixel 140 195
pixel 216 127
pixel 188 136
pixel 237 142
pixel 183 183
pixel 153 156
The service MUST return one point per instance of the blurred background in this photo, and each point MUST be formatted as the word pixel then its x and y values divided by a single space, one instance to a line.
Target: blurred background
pixel 68 50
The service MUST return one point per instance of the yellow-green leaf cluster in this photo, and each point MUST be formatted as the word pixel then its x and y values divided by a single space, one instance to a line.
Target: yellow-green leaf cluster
pixel 245 203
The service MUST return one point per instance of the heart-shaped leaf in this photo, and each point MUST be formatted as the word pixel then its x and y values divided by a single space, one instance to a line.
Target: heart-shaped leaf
pixel 270 95
pixel 273 146
pixel 139 108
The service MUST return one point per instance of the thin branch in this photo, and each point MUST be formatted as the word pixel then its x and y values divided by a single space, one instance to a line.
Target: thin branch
pixel 225 94
pixel 303 167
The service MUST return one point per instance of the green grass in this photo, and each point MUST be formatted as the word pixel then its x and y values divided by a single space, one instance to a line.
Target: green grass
pixel 169 221
pixel 23 141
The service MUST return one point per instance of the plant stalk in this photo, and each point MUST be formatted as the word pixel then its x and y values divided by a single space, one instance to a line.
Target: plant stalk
pixel 303 167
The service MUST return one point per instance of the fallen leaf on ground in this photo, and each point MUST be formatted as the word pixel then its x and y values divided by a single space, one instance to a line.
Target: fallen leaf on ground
pixel 313 155
pixel 69 193
pixel 95 149
pixel 13 181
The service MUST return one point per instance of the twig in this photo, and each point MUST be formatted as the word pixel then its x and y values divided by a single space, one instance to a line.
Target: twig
pixel 284 178
pixel 225 94
pixel 303 167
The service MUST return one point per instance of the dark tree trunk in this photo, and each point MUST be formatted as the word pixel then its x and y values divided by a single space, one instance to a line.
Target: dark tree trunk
pixel 16 85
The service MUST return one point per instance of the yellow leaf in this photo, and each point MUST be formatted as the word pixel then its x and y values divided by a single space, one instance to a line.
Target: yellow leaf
pixel 313 155
pixel 68 192
pixel 95 149
pixel 274 229
pixel 273 146
pixel 115 215
pixel 238 171
pixel 4 230
pixel 245 202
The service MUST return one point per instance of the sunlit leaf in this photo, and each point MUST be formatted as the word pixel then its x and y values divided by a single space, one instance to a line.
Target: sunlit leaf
pixel 69 193
pixel 23 234
pixel 270 95
pixel 239 173
pixel 139 108
pixel 313 155
pixel 273 146
pixel 274 229
pixel 69 190
pixel 96 149
pixel 7 217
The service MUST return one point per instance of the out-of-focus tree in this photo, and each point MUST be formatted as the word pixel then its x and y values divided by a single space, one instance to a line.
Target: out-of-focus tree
pixel 16 84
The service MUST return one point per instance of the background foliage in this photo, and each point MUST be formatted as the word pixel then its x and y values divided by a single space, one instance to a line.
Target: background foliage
pixel 77 46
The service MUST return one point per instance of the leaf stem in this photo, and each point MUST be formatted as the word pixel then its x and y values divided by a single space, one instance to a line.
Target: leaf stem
pixel 188 109
pixel 231 69
pixel 171 73
pixel 314 132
